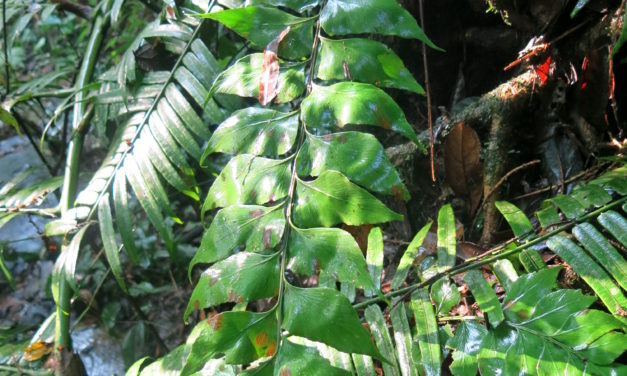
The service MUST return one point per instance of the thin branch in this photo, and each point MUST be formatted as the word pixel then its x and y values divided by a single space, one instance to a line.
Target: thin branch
pixel 428 92
pixel 40 212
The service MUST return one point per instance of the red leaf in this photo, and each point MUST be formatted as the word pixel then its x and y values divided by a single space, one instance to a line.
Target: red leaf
pixel 543 70
pixel 269 79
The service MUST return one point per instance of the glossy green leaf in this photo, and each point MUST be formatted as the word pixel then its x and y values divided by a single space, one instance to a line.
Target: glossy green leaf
pixel 255 131
pixel 615 224
pixel 332 198
pixel 403 340
pixel 526 291
pixel 517 220
pixel 243 336
pixel 413 251
pixel 294 359
pixel 134 370
pixel 123 215
pixel 485 297
pixel 246 227
pixel 243 277
pixel 466 345
pixel 385 17
pixel 363 60
pixel 606 349
pixel 445 295
pixel 591 195
pixel 325 315
pixel 107 233
pixel 603 251
pixel 242 79
pixel 169 145
pixel 569 206
pixel 359 156
pixel 548 216
pixel 350 103
pixel 261 25
pixel 65 266
pixel 580 330
pixel 505 273
pixel 332 250
pixel 363 365
pixel 531 260
pixel 297 5
pixel 374 258
pixel 426 332
pixel 447 238
pixel 609 293
pixel 169 364
pixel 249 180
pixel 381 336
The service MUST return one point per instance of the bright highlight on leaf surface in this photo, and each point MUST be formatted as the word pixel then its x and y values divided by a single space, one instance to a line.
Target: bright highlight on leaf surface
pixel 269 79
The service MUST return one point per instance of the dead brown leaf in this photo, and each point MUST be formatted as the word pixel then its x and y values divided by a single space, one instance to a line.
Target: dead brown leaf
pixel 464 169
pixel 269 79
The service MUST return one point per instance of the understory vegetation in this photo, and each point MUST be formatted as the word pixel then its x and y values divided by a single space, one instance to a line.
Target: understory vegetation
pixel 313 187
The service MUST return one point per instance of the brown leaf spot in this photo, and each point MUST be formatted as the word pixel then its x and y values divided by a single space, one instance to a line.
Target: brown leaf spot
pixel 232 296
pixel 261 339
pixel 267 238
pixel 342 139
pixel 253 194
pixel 285 372
pixel 271 348
pixel 256 213
pixel 196 304
pixel 215 322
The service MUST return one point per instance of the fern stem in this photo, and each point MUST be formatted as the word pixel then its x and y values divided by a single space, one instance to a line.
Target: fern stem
pixel 70 182
pixel 302 130
pixel 475 262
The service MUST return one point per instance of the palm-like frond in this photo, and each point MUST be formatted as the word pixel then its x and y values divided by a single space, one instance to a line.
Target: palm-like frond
pixel 162 117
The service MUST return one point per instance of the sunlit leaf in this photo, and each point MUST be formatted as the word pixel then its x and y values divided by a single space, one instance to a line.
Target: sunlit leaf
pixel 611 295
pixel 359 156
pixel 248 179
pixel 243 336
pixel 242 277
pixel 242 79
pixel 293 359
pixel 403 340
pixel 246 227
pixel 411 253
pixel 426 332
pixel 350 103
pixel 325 315
pixel 485 297
pixel 332 250
pixel 447 238
pixel 381 336
pixel 384 17
pixel 363 60
pixel 261 25
pixel 374 258
pixel 332 198
pixel 255 131
pixel 466 345
pixel 445 295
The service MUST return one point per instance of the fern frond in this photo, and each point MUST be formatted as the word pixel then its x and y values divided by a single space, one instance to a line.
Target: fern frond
pixel 588 248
